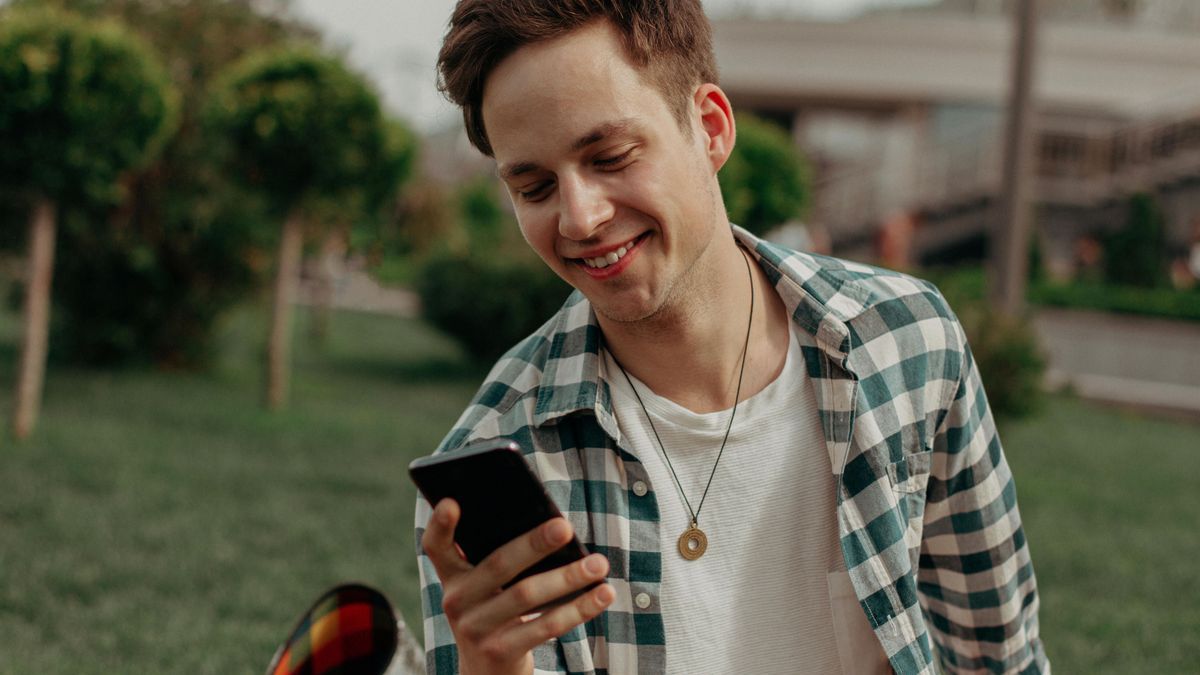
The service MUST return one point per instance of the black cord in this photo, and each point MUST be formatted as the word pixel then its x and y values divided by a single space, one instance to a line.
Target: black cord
pixel 737 394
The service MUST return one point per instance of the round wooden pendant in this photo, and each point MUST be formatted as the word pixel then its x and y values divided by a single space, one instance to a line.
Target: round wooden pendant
pixel 693 543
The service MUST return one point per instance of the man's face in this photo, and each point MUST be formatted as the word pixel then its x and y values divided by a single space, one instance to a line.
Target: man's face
pixel 611 192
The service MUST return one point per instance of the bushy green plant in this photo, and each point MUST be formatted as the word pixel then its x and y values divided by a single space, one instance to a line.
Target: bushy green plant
pixel 301 127
pixel 186 243
pixel 482 285
pixel 765 181
pixel 1167 303
pixel 156 290
pixel 309 136
pixel 80 105
pixel 488 303
pixel 482 216
pixel 1006 350
pixel 1136 254
pixel 1009 360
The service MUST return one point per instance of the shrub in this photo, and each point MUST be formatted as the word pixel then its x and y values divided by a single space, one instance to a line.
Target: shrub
pixel 488 303
pixel 186 243
pixel 1006 350
pixel 1009 360
pixel 765 180
pixel 1167 303
pixel 1136 254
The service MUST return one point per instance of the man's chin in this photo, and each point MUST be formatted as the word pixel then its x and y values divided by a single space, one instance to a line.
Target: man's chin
pixel 626 313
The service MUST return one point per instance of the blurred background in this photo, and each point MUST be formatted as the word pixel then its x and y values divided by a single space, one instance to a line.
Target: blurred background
pixel 250 267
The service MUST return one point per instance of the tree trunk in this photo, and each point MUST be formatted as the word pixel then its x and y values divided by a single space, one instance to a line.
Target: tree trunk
pixel 279 347
pixel 1009 247
pixel 36 324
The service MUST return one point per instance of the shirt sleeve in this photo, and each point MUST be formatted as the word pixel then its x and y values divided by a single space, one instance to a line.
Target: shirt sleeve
pixel 976 580
pixel 441 653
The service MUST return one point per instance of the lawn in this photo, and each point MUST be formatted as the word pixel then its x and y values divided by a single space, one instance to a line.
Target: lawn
pixel 163 522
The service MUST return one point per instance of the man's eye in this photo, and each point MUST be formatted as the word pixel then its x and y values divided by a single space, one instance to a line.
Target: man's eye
pixel 535 193
pixel 613 162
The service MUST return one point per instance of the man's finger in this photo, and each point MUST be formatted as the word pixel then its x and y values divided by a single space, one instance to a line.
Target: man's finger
pixel 541 589
pixel 558 621
pixel 506 562
pixel 438 540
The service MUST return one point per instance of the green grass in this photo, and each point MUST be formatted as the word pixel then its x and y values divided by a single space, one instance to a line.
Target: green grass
pixel 396 270
pixel 1111 506
pixel 163 522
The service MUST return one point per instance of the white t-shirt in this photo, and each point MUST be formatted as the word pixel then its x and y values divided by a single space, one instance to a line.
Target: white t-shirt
pixel 762 598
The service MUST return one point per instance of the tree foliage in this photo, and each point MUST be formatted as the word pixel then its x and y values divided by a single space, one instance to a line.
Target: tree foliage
pixel 308 135
pixel 765 181
pixel 481 283
pixel 1136 254
pixel 302 128
pixel 80 104
pixel 188 242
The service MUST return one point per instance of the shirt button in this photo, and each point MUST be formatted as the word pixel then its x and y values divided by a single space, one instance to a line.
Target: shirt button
pixel 642 600
pixel 640 489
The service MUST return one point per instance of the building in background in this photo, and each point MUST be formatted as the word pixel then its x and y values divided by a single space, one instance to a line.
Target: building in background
pixel 902 112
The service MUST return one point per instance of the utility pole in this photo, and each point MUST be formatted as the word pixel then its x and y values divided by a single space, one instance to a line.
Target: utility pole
pixel 1009 247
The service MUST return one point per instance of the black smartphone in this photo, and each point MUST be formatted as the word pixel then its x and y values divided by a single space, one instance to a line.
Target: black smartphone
pixel 500 499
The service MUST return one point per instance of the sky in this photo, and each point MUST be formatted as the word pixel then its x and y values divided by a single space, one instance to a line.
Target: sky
pixel 395 42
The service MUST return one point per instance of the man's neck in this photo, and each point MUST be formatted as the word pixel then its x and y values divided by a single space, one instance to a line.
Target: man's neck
pixel 691 351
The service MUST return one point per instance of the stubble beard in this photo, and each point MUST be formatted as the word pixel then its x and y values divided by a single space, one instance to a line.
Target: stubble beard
pixel 676 302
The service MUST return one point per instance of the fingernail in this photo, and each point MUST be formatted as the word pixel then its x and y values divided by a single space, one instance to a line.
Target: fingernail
pixel 604 595
pixel 594 564
pixel 557 531
pixel 443 514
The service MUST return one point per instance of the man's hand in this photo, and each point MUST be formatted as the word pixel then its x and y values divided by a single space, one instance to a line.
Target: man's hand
pixel 487 621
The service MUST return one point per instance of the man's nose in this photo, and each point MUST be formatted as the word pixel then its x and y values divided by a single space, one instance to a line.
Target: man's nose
pixel 584 206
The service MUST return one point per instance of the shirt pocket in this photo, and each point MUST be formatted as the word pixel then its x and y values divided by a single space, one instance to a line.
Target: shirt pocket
pixel 910 478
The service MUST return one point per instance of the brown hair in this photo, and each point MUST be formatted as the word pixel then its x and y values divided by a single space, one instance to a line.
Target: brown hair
pixel 670 41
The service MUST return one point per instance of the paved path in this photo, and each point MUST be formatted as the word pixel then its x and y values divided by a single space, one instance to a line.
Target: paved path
pixel 1122 358
pixel 356 290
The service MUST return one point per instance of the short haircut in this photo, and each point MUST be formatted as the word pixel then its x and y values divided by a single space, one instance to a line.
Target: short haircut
pixel 668 41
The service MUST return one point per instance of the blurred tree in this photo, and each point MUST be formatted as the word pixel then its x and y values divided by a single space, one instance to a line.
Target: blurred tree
pixel 1136 254
pixel 309 135
pixel 425 219
pixel 765 180
pixel 189 241
pixel 360 231
pixel 486 222
pixel 80 104
pixel 482 284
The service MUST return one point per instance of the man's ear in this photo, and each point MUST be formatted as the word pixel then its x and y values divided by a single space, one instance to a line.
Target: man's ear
pixel 716 123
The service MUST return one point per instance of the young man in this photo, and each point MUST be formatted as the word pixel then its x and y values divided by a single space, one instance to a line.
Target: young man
pixel 783 463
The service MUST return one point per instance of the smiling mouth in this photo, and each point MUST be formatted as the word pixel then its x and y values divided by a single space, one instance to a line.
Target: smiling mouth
pixel 612 257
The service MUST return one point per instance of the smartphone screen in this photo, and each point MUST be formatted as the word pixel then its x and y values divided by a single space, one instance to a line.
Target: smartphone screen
pixel 500 498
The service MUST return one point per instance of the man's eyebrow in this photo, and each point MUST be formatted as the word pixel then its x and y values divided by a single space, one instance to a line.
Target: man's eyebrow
pixel 599 133
pixel 514 170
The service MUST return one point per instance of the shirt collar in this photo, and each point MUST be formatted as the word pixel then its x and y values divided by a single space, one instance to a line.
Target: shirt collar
pixel 819 300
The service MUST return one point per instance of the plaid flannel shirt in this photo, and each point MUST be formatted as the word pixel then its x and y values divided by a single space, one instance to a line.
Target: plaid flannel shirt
pixel 926 507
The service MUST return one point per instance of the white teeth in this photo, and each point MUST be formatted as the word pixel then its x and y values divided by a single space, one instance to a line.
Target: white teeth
pixel 608 259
